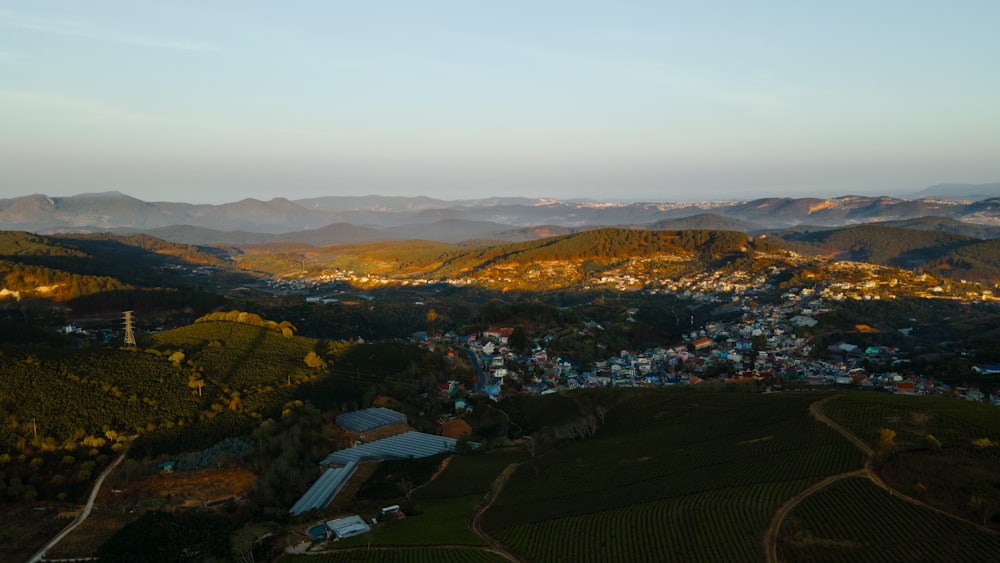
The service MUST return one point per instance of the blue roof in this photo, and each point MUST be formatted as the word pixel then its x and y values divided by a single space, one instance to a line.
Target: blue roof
pixel 324 489
pixel 400 446
pixel 366 420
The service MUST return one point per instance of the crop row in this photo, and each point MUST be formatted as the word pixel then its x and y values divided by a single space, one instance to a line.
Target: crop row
pixel 402 555
pixel 561 485
pixel 721 525
pixel 853 520
pixel 952 422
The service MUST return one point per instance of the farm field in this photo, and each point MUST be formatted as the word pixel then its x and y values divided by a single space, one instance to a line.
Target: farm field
pixel 446 504
pixel 719 525
pixel 441 522
pixel 855 520
pixel 672 475
pixel 23 531
pixel 943 452
pixel 87 538
pixel 401 555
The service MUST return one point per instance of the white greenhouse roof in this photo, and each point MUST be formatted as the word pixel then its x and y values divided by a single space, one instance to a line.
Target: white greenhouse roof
pixel 348 526
pixel 366 420
pixel 324 489
pixel 400 446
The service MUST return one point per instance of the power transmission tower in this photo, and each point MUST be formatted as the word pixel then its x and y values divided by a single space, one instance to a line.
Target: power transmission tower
pixel 129 333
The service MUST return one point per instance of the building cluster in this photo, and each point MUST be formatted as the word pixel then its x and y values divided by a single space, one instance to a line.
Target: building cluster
pixel 747 342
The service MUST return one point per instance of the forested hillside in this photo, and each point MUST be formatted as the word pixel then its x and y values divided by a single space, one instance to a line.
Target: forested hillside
pixel 878 244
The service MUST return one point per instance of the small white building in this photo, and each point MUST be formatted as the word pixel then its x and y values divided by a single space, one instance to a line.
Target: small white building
pixel 347 527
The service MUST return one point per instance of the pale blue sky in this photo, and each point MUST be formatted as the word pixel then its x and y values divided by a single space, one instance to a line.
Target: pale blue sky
pixel 213 101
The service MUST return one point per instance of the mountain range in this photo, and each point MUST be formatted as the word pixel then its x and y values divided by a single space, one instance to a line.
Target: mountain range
pixel 350 219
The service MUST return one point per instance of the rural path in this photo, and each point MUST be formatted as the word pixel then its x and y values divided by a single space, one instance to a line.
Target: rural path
pixel 475 524
pixel 771 536
pixel 83 515
pixel 816 410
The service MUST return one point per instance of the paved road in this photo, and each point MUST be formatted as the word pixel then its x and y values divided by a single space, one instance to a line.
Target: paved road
pixel 83 515
pixel 481 379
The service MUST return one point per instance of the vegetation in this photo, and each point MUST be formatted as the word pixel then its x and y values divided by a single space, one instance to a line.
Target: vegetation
pixel 613 474
pixel 652 467
pixel 940 451
pixel 857 521
pixel 397 555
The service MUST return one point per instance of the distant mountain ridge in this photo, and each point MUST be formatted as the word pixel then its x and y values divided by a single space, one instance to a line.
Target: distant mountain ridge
pixel 339 220
pixel 969 192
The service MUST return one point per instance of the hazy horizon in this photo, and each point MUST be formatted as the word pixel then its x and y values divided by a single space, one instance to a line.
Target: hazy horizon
pixel 600 99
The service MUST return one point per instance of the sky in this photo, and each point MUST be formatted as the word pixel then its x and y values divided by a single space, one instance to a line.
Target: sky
pixel 210 102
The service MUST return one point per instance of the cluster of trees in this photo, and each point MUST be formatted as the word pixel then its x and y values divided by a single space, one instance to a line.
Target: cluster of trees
pixel 601 246
pixel 975 262
pixel 284 328
pixel 21 243
pixel 186 252
pixel 898 246
pixel 196 386
pixel 39 281
pixel 879 244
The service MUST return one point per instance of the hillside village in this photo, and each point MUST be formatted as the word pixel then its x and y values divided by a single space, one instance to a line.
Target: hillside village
pixel 757 344
pixel 748 339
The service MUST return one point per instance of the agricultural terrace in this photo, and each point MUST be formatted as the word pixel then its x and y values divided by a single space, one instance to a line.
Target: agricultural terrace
pixel 673 474
pixel 855 520
pixel 945 453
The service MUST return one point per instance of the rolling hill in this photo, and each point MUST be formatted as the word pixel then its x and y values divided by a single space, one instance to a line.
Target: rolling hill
pixel 114 210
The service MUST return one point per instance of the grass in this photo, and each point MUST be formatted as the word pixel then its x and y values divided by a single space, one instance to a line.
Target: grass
pixel 87 538
pixel 401 555
pixel 441 522
pixel 23 531
pixel 470 474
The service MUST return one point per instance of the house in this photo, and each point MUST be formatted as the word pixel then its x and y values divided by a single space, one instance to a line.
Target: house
pixel 701 343
pixel 502 335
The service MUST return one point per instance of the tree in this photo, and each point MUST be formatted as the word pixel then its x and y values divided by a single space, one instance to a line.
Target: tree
pixel 314 361
pixel 177 358
pixel 245 540
pixel 432 317
pixel 933 443
pixel 886 442
pixel 518 340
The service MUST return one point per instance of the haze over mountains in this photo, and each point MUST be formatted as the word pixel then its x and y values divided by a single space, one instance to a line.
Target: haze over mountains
pixel 962 208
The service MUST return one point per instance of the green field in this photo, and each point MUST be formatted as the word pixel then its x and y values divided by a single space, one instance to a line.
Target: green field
pixel 854 520
pixel 401 555
pixel 445 505
pixel 957 471
pixel 672 475
pixel 441 522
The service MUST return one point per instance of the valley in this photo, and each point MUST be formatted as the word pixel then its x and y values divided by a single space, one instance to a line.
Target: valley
pixel 631 394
